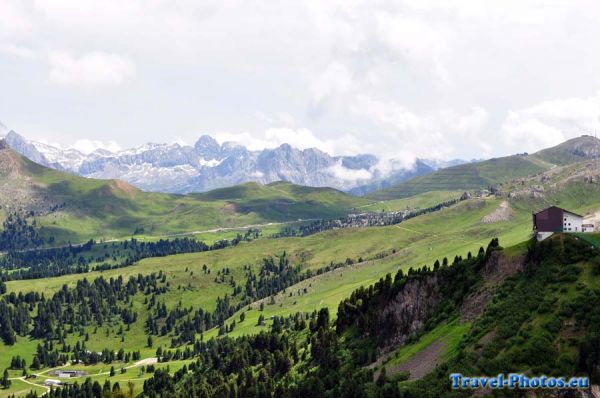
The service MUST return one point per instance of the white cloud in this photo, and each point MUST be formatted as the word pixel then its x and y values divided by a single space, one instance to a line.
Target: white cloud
pixel 88 146
pixel 348 175
pixel 17 51
pixel 273 137
pixel 402 79
pixel 90 69
pixel 550 122
pixel 15 18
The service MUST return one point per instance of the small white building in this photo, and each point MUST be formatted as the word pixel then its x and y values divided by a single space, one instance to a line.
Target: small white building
pixel 52 383
pixel 589 228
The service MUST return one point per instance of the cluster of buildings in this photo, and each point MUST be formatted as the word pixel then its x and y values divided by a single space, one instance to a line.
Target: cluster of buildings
pixel 63 374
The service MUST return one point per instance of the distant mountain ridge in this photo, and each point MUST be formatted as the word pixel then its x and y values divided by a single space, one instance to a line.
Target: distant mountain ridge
pixel 208 165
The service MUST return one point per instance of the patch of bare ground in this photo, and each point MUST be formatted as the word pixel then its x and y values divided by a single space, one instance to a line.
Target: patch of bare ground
pixel 229 208
pixel 421 364
pixel 125 187
pixel 502 213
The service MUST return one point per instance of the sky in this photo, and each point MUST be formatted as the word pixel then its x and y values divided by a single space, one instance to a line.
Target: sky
pixel 399 79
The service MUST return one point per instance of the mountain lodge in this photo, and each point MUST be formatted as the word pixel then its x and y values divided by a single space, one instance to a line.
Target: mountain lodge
pixel 556 220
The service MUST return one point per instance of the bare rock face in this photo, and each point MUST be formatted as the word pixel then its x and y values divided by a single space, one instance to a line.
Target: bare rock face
pixel 466 195
pixel 3 144
pixel 412 307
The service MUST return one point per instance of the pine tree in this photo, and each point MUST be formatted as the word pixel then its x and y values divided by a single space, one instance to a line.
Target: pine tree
pixel 5 380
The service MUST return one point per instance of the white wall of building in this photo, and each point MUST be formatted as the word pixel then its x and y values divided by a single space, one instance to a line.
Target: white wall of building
pixel 572 223
pixel 543 235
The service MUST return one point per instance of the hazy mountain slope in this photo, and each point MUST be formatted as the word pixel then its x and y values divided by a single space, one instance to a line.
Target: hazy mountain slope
pixel 420 168
pixel 574 150
pixel 77 208
pixel 464 177
pixel 496 171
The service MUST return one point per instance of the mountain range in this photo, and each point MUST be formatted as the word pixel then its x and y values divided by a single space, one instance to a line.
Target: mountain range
pixel 208 165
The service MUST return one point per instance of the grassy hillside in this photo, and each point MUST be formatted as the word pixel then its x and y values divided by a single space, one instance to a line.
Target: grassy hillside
pixel 468 176
pixel 340 261
pixel 74 208
pixel 385 249
pixel 543 321
pixel 420 201
pixel 496 171
pixel 521 310
pixel 572 151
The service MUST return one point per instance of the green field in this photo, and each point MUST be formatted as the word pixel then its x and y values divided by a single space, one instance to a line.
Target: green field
pixel 420 201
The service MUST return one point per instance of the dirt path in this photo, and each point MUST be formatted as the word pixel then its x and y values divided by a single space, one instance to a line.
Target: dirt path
pixel 420 365
pixel 144 362
pixel 24 380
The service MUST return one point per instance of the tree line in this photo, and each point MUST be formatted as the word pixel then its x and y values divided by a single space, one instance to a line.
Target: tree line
pixel 75 259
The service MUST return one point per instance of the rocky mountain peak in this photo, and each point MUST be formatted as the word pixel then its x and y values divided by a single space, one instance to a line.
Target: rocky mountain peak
pixel 207 145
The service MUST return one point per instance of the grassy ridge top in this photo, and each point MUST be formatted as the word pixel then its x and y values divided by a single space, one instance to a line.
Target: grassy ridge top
pixel 73 208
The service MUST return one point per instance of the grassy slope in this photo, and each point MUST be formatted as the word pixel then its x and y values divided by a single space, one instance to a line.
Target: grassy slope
pixel 112 208
pixel 465 177
pixel 418 241
pixel 420 201
pixel 454 334
pixel 571 151
pixel 412 240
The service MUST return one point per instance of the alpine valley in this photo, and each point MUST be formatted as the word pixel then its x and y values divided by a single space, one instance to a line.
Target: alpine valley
pixel 274 289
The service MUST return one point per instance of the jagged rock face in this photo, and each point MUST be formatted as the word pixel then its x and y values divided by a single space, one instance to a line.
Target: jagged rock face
pixel 410 309
pixel 207 165
pixel 208 147
pixel 414 304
